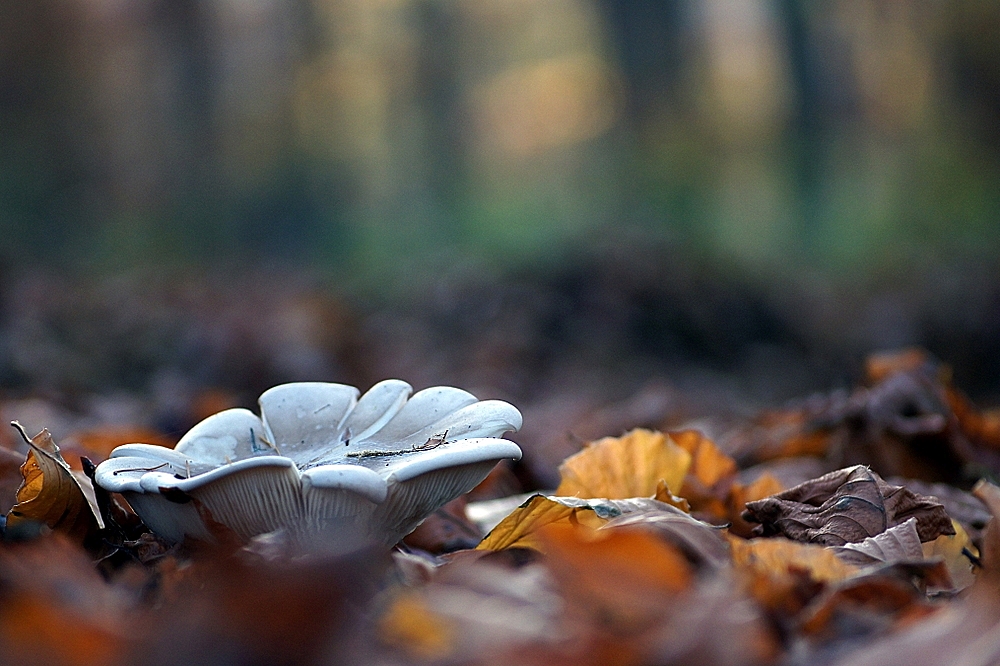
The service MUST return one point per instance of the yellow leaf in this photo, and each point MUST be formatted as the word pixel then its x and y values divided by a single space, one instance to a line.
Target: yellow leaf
pixel 664 495
pixel 949 547
pixel 413 627
pixel 52 494
pixel 627 466
pixel 709 464
pixel 774 570
pixel 519 529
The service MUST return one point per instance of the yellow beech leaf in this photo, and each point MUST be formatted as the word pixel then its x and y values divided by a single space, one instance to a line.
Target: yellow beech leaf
pixel 629 466
pixel 709 464
pixel 949 547
pixel 519 529
pixel 52 493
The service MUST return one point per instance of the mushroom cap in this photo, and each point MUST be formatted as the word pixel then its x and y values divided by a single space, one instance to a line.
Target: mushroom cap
pixel 320 463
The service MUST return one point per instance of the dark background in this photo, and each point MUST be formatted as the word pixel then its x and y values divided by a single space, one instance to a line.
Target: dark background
pixel 566 203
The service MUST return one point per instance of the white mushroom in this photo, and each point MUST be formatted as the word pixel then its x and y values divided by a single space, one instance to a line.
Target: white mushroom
pixel 320 463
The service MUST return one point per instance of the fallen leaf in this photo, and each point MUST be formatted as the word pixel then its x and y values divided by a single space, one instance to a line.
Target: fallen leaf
pixel 778 556
pixel 623 467
pixel 410 626
pixel 764 486
pixel 624 575
pixel 846 506
pixel 709 465
pixel 961 506
pixel 954 550
pixel 784 575
pixel 703 544
pixel 709 480
pixel 519 529
pixel 868 604
pixel 53 494
pixel 965 632
pixel 664 495
pixel 475 611
pixel 57 609
pixel 899 543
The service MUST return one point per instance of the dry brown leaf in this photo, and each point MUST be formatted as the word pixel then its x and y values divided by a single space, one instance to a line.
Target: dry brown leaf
pixel 53 494
pixel 982 427
pixel 846 506
pixel 778 556
pixel 57 609
pixel 764 486
pixel 622 467
pixel 899 543
pixel 966 632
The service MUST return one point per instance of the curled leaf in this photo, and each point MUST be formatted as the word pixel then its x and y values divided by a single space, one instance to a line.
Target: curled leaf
pixel 900 543
pixel 519 529
pixel 52 493
pixel 764 486
pixel 846 506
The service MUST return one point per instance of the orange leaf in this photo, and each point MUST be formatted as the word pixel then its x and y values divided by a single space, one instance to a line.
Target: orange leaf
pixel 52 493
pixel 664 495
pixel 622 576
pixel 627 466
pixel 413 627
pixel 775 570
pixel 709 464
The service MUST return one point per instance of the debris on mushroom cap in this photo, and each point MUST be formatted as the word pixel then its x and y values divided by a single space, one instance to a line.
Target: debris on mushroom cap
pixel 320 462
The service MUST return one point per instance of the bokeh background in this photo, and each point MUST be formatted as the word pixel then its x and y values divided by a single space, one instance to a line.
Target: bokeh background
pixel 685 206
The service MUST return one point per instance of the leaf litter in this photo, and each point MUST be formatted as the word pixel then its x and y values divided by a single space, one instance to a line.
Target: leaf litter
pixel 656 547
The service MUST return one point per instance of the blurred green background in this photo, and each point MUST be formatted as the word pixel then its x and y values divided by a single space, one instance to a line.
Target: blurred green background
pixel 375 139
pixel 502 193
